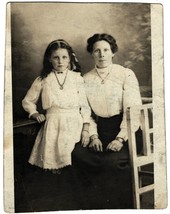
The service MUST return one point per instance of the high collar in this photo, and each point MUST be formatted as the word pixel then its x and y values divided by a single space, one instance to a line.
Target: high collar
pixel 60 72
pixel 103 71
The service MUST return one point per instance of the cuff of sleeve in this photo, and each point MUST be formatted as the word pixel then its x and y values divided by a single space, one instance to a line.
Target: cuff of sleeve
pixel 32 114
pixel 92 131
pixel 93 137
pixel 86 120
pixel 123 134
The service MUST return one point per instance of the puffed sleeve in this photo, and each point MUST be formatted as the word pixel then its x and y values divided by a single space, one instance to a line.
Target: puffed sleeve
pixel 32 96
pixel 131 97
pixel 84 106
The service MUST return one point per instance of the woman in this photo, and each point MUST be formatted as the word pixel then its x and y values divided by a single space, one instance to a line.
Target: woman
pixel 104 165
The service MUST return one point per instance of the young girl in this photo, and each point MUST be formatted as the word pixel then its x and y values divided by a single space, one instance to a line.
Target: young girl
pixel 67 110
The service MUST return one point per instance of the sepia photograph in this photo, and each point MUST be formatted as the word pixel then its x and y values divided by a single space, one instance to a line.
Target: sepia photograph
pixel 84 107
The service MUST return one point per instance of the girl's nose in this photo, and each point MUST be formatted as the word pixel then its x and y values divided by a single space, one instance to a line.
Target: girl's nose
pixel 59 60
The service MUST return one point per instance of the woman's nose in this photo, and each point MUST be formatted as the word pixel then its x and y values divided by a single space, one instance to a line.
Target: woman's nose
pixel 101 54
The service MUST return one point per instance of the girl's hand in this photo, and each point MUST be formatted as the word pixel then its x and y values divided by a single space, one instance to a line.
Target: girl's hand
pixel 38 117
pixel 85 138
pixel 115 146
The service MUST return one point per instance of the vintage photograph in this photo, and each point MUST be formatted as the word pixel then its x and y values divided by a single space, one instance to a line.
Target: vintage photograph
pixel 85 107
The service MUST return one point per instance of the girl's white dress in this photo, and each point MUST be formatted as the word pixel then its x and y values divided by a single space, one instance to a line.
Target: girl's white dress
pixel 66 111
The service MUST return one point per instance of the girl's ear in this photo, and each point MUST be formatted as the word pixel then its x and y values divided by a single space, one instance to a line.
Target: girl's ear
pixel 69 65
pixel 113 56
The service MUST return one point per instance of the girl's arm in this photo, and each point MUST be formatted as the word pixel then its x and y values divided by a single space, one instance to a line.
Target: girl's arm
pixel 84 106
pixel 84 110
pixel 89 127
pixel 29 103
pixel 85 135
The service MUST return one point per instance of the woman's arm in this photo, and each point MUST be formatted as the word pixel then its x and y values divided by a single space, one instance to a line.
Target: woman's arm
pixel 131 97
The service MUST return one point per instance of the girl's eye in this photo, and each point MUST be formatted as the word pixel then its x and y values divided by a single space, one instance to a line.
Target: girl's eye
pixel 106 49
pixel 65 57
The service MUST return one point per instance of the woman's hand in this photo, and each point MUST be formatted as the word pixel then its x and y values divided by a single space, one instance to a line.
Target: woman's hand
pixel 85 138
pixel 38 117
pixel 96 145
pixel 115 146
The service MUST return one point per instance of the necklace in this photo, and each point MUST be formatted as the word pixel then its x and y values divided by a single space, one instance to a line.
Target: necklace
pixel 103 79
pixel 61 84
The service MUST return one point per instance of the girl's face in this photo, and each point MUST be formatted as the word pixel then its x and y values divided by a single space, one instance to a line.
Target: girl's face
pixel 60 59
pixel 102 54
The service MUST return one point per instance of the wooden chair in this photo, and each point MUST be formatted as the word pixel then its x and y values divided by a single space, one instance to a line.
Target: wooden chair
pixel 141 162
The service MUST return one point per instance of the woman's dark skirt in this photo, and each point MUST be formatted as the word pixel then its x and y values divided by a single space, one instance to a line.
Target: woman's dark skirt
pixel 104 178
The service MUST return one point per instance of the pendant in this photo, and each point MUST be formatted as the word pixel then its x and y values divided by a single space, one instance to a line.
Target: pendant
pixel 61 87
pixel 102 82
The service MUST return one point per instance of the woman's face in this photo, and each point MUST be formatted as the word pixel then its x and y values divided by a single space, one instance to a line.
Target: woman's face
pixel 102 54
pixel 60 59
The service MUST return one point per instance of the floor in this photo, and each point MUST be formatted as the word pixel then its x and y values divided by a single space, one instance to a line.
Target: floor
pixel 37 190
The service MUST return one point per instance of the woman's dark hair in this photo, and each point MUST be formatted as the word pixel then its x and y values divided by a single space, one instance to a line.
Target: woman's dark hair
pixel 56 44
pixel 99 37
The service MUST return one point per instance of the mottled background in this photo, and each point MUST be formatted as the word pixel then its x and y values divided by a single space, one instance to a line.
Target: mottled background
pixel 35 25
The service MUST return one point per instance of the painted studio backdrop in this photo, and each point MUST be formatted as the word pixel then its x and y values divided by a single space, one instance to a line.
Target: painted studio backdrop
pixel 35 25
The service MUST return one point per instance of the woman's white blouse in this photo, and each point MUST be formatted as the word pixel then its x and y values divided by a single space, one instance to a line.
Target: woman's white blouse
pixel 119 91
pixel 71 97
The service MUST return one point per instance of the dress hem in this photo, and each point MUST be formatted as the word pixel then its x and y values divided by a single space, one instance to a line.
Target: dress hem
pixel 46 168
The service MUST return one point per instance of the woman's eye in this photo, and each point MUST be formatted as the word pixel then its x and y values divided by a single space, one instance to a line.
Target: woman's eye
pixel 106 49
pixel 64 57
pixel 96 51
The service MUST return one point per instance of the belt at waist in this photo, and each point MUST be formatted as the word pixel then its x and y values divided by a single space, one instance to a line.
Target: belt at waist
pixel 115 117
pixel 56 109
